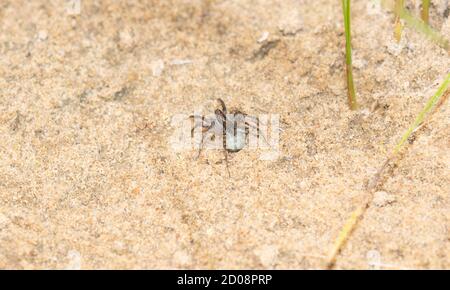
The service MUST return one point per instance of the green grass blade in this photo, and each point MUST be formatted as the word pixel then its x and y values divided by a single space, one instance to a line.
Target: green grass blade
pixel 425 11
pixel 399 7
pixel 419 119
pixel 348 54
pixel 424 28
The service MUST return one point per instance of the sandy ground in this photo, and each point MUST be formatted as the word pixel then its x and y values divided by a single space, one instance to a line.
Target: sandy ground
pixel 88 178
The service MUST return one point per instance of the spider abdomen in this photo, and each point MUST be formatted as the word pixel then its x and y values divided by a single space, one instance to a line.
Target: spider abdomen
pixel 235 141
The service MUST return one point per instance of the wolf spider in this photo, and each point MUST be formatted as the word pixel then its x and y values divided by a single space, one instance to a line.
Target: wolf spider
pixel 234 129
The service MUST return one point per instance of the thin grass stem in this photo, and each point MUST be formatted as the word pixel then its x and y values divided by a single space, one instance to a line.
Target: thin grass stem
pixel 399 7
pixel 425 11
pixel 422 27
pixel 419 119
pixel 348 54
pixel 357 214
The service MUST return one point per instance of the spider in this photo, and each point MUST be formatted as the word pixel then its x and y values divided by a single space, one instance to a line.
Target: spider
pixel 233 126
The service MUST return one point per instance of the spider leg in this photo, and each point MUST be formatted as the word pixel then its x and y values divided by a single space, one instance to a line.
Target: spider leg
pixel 205 119
pixel 226 162
pixel 204 130
pixel 205 122
pixel 222 104
pixel 247 117
pixel 255 120
pixel 225 152
pixel 256 124
pixel 258 132
pixel 220 116
pixel 195 117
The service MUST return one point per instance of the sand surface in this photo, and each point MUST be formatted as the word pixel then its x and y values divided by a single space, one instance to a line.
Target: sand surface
pixel 88 178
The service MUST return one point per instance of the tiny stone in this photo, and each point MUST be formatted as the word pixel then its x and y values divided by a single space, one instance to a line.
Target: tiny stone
pixel 157 68
pixel 365 112
pixel 264 36
pixel 267 255
pixel 74 258
pixel 382 198
pixel 182 258
pixel 42 35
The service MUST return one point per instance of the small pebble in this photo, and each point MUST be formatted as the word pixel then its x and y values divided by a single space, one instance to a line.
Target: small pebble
pixel 382 198
pixel 264 36
pixel 267 255
pixel 74 258
pixel 157 68
pixel 42 35
pixel 182 258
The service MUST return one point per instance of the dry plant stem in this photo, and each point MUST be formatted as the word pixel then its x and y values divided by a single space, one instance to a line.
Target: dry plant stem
pixel 348 52
pixel 399 7
pixel 345 233
pixel 357 214
pixel 425 11
pixel 355 217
